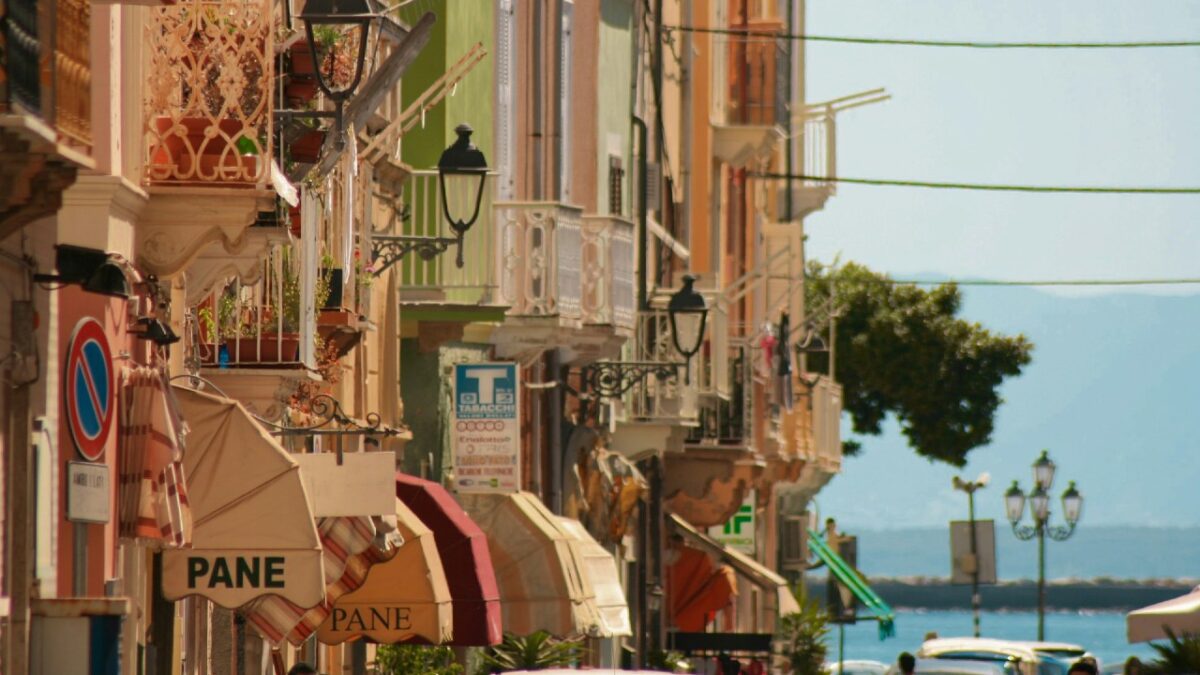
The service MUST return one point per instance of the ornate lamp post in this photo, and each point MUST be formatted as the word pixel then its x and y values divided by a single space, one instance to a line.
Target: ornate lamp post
pixel 1039 510
pixel 688 314
pixel 462 175
pixel 970 487
pixel 322 17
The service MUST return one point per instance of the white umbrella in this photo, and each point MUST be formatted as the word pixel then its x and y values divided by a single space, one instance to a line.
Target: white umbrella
pixel 1181 615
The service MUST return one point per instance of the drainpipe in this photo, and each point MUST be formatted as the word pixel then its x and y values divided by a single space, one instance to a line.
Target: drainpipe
pixel 643 210
pixel 20 486
pixel 555 422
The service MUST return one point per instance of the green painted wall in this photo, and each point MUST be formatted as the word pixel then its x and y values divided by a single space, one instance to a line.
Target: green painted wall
pixel 460 24
pixel 426 387
pixel 615 97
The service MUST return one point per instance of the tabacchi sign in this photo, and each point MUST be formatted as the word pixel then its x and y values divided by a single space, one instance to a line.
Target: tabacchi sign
pixel 486 434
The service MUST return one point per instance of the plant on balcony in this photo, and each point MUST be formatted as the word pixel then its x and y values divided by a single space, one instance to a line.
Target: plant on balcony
pixel 363 278
pixel 331 277
pixel 537 651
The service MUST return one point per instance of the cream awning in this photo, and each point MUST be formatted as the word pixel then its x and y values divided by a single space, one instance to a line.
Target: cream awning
pixel 605 581
pixel 1179 615
pixel 252 532
pixel 403 597
pixel 759 574
pixel 540 570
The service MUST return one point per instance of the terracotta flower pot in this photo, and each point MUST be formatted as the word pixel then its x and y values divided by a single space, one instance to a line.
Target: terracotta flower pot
pixel 194 157
pixel 272 348
pixel 307 148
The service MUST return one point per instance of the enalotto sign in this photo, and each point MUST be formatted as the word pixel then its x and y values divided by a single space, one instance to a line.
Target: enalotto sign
pixel 486 434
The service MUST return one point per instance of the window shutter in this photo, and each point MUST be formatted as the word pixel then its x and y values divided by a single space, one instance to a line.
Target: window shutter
pixel 564 107
pixel 506 67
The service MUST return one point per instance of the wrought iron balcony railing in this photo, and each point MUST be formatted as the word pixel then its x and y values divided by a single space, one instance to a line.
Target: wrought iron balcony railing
pixel 207 98
pixel 652 399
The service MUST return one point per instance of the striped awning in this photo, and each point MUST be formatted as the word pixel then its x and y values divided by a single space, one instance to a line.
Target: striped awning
pixel 540 570
pixel 403 598
pixel 605 581
pixel 152 498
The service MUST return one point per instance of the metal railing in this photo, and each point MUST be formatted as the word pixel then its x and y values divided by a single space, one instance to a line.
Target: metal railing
pixel 818 145
pixel 257 324
pixel 541 246
pixel 72 71
pixel 671 400
pixel 728 420
pixel 826 422
pixel 439 278
pixel 207 99
pixel 607 269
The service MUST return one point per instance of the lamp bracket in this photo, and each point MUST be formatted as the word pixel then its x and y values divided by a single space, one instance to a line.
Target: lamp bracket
pixel 387 249
pixel 610 379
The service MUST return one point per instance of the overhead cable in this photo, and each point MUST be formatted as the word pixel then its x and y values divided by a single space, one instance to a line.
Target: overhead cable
pixel 1050 282
pixel 903 42
pixel 1086 189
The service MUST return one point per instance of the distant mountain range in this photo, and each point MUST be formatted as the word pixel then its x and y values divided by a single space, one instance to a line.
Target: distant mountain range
pixel 1112 392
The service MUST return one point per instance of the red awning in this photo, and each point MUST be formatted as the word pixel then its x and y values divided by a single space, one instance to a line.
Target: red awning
pixel 464 551
pixel 697 588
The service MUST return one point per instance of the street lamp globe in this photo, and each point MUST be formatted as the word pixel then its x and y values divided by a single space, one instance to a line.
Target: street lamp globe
pixel 332 27
pixel 1043 471
pixel 688 314
pixel 1039 504
pixel 1014 503
pixel 462 174
pixel 1072 502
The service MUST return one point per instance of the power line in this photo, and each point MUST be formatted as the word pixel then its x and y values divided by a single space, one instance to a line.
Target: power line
pixel 935 43
pixel 1050 282
pixel 1087 189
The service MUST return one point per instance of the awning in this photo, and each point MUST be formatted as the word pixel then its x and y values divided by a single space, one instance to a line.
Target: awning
pixel 153 500
pixel 756 572
pixel 1179 615
pixel 606 582
pixel 540 570
pixel 852 580
pixel 403 598
pixel 697 588
pixel 252 530
pixel 464 551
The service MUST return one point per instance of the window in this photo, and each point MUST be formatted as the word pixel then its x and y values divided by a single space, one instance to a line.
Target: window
pixel 616 181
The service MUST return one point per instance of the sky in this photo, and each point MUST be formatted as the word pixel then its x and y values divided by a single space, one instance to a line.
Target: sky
pixel 1052 117
pixel 1056 117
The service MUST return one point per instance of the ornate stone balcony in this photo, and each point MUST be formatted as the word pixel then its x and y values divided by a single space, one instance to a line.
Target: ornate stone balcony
pixel 207 142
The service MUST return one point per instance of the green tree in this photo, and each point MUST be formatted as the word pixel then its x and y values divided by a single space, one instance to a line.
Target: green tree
pixel 1180 655
pixel 903 350
pixel 802 636
pixel 416 660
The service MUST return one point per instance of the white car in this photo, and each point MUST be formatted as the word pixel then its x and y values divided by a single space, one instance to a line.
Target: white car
pixel 856 667
pixel 1012 657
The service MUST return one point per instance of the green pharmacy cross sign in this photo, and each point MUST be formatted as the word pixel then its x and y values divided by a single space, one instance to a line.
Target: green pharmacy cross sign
pixel 738 532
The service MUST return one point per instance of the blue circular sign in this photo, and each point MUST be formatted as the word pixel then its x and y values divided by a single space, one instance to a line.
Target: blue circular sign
pixel 89 388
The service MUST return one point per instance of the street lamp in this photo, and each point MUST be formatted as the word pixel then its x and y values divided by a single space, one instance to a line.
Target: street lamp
pixel 1039 510
pixel 462 175
pixel 688 314
pixel 462 172
pixel 970 487
pixel 325 17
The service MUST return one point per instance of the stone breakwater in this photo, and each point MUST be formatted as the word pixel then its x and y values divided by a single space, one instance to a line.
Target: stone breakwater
pixel 1101 595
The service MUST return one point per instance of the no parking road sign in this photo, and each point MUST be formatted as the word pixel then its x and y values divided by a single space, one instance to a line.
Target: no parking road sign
pixel 89 388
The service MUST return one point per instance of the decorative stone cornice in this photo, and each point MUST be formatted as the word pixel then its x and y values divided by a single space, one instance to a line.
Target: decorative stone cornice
pixel 33 173
pixel 707 486
pixel 178 223
pixel 217 262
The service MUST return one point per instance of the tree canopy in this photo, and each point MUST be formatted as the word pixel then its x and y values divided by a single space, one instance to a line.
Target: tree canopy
pixel 902 349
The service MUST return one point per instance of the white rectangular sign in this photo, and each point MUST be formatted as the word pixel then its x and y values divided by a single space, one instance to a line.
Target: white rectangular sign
pixel 88 493
pixel 486 433
pixel 738 533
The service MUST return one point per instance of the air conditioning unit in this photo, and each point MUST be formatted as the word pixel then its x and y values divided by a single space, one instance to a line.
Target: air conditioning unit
pixel 793 542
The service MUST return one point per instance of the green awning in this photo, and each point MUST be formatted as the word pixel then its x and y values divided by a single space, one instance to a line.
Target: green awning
pixel 852 580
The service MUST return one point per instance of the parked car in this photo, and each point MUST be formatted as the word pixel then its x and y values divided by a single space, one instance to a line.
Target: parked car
pixel 856 667
pixel 1011 656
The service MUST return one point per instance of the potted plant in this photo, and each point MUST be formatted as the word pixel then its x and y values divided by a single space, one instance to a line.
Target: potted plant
pixel 301 84
pixel 333 278
pixel 270 333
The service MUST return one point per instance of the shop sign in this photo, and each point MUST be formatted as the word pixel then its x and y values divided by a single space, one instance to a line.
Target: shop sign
pixel 88 494
pixel 374 618
pixel 235 572
pixel 738 532
pixel 89 388
pixel 486 432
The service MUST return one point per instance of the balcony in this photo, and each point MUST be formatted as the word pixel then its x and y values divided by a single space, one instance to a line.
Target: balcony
pixel 45 116
pixel 208 134
pixel 818 160
pixel 754 76
pixel 818 437
pixel 608 297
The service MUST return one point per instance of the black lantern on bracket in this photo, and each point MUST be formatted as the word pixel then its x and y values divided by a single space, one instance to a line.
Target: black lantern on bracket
pixel 688 314
pixel 462 172
pixel 332 25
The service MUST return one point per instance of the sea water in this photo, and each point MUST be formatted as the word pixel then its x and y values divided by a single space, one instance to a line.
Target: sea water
pixel 1103 633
